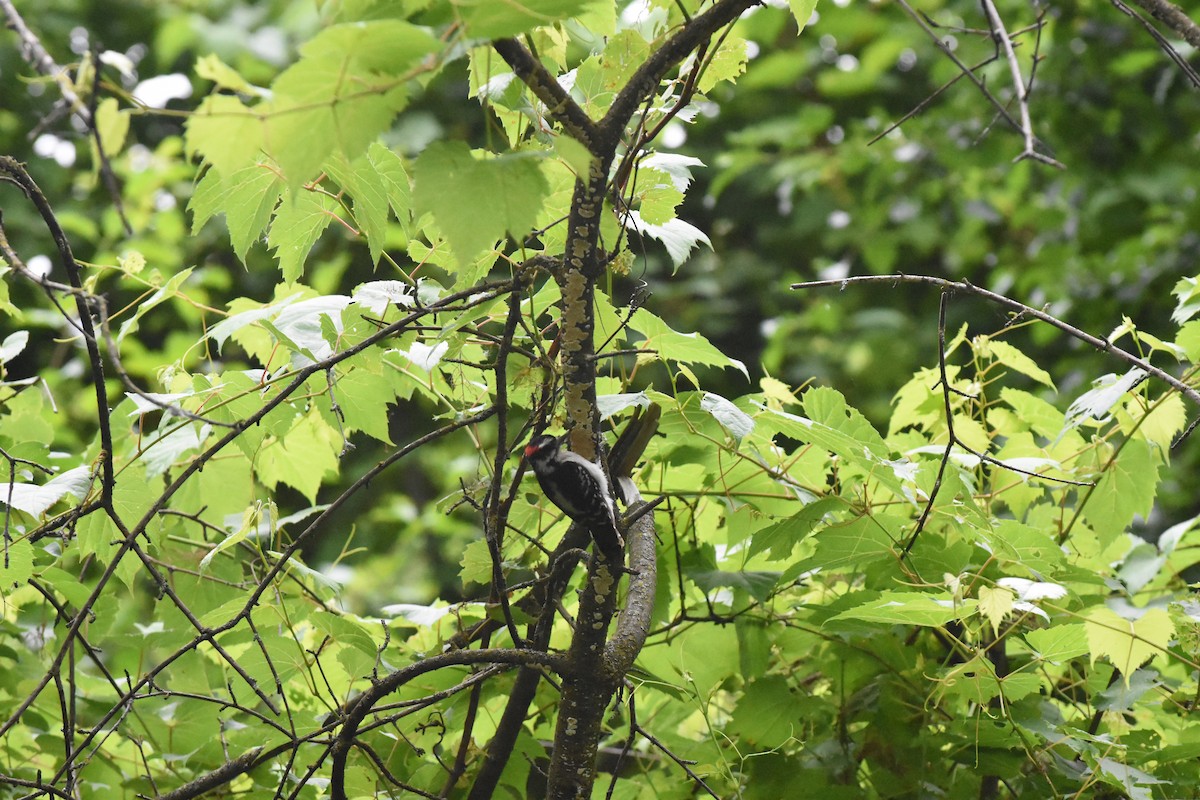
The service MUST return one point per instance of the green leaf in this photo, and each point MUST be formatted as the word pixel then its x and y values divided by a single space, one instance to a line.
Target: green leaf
pixel 1128 778
pixel 1030 547
pixel 1041 417
pixel 112 125
pixel 476 563
pixel 488 19
pixel 828 406
pixel 1060 643
pixel 259 519
pixel 1125 490
pixel 685 348
pixel 726 64
pixel 302 457
pixel 246 198
pixel 754 647
pixel 802 10
pixel 369 192
pixel 212 68
pixel 1015 360
pixel 6 305
pixel 65 583
pixel 1166 418
pixel 476 200
pixel 364 397
pixel 12 345
pixel 16 563
pixel 1128 644
pixel 659 203
pixel 898 476
pixel 995 605
pixel 757 584
pixel 859 541
pixel 574 154
pixel 916 404
pixel 225 133
pixel 390 169
pixel 910 608
pixel 166 292
pixel 1189 339
pixel 343 92
pixel 782 537
pixel 298 224
pixel 766 713
pixel 133 494
pixel 1187 294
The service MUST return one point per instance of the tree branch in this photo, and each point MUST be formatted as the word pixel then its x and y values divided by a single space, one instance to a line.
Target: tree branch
pixel 35 55
pixel 633 623
pixel 359 707
pixel 559 105
pixel 645 80
pixel 1000 34
pixel 1163 43
pixel 1103 345
pixel 1174 18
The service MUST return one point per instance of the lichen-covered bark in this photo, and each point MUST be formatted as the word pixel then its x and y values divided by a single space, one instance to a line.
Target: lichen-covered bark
pixel 586 689
pixel 582 264
pixel 595 668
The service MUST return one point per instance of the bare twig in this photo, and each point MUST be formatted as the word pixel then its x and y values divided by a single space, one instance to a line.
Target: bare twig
pixel 360 706
pixel 1161 40
pixel 105 166
pixel 1103 345
pixel 1000 34
pixel 924 104
pixel 1174 18
pixel 967 71
pixel 945 383
pixel 36 56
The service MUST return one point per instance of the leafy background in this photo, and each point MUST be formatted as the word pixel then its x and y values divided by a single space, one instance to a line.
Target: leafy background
pixel 1040 636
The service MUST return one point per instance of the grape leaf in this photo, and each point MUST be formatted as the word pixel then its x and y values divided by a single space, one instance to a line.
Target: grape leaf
pixel 1127 644
pixel 476 200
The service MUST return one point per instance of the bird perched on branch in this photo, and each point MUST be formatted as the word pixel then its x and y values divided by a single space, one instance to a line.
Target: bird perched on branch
pixel 578 487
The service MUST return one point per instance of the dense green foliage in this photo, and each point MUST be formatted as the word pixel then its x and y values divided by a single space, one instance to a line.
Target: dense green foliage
pixel 329 301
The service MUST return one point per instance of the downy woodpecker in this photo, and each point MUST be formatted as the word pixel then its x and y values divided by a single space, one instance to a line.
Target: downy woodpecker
pixel 578 488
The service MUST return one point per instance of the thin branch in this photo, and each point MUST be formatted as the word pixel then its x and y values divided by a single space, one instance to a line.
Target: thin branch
pixel 497 512
pixel 105 166
pixel 1000 34
pixel 924 104
pixel 13 171
pixel 360 706
pixel 1174 18
pixel 1103 345
pixel 975 79
pixel 945 383
pixel 559 105
pixel 1163 44
pixel 218 777
pixel 684 765
pixel 35 55
pixel 645 80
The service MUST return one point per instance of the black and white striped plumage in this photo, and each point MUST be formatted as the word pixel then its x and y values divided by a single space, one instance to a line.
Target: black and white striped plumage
pixel 578 488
